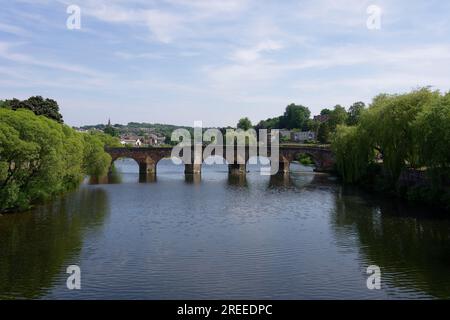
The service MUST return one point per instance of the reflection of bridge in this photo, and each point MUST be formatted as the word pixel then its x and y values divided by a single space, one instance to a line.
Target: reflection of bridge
pixel 148 158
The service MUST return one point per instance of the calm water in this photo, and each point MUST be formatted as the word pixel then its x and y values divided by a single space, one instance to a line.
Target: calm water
pixel 297 237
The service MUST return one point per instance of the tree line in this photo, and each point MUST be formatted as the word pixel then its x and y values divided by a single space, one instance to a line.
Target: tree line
pixel 398 132
pixel 298 117
pixel 40 157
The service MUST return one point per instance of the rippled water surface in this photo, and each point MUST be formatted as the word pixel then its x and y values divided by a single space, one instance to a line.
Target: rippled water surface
pixel 301 236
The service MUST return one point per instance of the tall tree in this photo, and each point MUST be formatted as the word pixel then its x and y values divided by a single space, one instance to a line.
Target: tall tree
pixel 323 133
pixel 354 113
pixel 40 106
pixel 325 111
pixel 244 124
pixel 296 117
pixel 337 117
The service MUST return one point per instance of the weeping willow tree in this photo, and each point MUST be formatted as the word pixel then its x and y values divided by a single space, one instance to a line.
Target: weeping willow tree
pixel 432 133
pixel 390 128
pixel 390 121
pixel 353 152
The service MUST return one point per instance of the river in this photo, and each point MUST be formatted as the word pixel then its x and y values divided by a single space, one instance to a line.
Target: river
pixel 302 236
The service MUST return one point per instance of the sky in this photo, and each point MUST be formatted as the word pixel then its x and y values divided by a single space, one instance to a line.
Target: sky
pixel 215 61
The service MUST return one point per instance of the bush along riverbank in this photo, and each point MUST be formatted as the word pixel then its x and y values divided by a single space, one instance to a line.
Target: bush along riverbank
pixel 401 146
pixel 413 186
pixel 41 158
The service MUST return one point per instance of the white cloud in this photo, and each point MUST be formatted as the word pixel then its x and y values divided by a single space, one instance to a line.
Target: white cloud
pixel 7 52
pixel 8 28
pixel 142 55
pixel 253 54
pixel 209 7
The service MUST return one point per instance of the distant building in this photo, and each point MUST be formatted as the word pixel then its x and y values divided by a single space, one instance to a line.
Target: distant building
pixel 153 139
pixel 131 141
pixel 322 118
pixel 303 136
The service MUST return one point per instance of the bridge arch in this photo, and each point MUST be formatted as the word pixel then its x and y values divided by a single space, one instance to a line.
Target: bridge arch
pixel 148 158
pixel 116 159
pixel 167 166
pixel 296 156
pixel 322 158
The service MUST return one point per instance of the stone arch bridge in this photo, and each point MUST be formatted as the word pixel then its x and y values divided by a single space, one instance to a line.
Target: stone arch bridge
pixel 148 158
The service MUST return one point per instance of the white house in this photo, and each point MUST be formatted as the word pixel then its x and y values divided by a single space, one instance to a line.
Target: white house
pixel 133 142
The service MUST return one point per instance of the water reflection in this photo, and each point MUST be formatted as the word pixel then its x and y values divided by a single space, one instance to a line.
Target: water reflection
pixel 220 236
pixel 411 248
pixel 35 246
pixel 237 181
pixel 193 178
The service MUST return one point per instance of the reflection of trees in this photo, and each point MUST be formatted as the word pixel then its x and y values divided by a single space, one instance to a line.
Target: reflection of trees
pixel 280 180
pixel 415 250
pixel 237 180
pixel 35 245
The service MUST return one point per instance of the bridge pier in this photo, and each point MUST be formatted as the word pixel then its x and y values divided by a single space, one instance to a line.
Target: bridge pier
pixel 147 178
pixel 193 168
pixel 146 168
pixel 193 178
pixel 237 169
pixel 283 167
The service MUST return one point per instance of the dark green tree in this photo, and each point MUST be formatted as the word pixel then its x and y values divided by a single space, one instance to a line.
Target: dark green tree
pixel 337 117
pixel 323 133
pixel 354 113
pixel 244 124
pixel 295 117
pixel 40 106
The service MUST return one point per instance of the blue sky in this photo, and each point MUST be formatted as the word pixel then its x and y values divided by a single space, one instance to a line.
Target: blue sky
pixel 177 61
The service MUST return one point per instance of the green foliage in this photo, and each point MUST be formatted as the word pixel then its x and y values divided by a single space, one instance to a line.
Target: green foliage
pixel 305 160
pixel 337 117
pixel 432 135
pixel 95 161
pixel 110 130
pixel 271 123
pixel 40 158
pixel 107 140
pixel 353 157
pixel 48 107
pixel 354 113
pixel 295 117
pixel 390 121
pixel 323 133
pixel 409 130
pixel 4 104
pixel 244 124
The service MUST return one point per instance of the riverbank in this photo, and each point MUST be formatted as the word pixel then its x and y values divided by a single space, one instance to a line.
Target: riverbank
pixel 414 186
